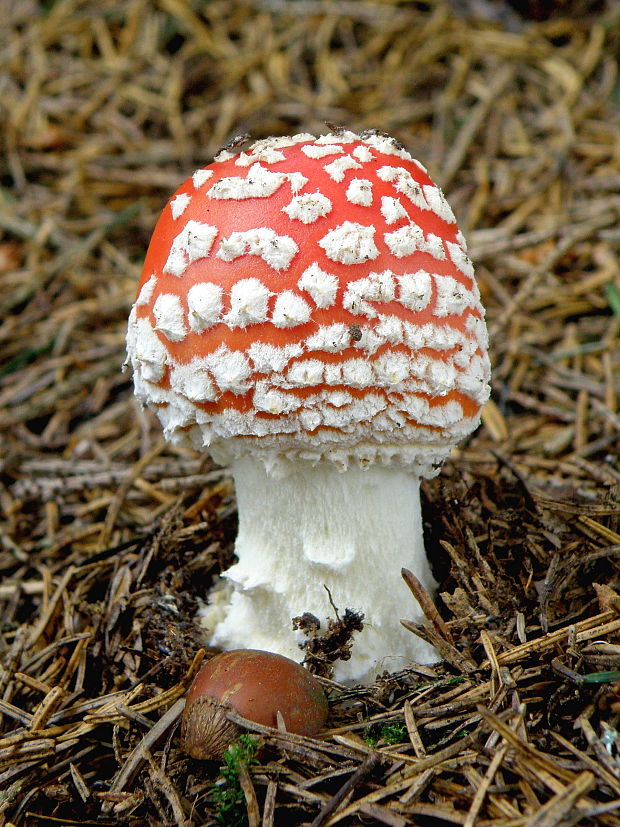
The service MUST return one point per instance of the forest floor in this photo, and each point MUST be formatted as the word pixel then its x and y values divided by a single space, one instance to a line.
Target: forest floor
pixel 105 530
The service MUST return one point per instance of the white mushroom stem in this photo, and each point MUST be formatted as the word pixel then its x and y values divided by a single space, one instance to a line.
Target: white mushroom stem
pixel 315 526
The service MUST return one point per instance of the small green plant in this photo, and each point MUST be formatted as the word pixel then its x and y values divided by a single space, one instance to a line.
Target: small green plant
pixel 613 297
pixel 393 732
pixel 227 794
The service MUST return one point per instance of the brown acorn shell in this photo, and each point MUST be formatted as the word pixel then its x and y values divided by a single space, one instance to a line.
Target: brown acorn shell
pixel 257 685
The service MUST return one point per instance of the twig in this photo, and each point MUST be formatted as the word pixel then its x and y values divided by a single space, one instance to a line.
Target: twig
pixel 367 766
pixel 426 604
pixel 140 752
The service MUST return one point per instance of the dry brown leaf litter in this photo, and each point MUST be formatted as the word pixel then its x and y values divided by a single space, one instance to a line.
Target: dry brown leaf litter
pixel 108 536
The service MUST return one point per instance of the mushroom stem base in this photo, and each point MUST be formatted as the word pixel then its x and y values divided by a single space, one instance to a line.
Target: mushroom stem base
pixel 312 532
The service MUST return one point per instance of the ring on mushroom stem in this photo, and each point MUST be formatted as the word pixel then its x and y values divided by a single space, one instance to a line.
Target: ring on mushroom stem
pixel 308 314
pixel 257 685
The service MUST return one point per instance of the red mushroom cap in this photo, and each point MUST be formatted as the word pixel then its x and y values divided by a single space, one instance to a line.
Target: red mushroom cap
pixel 312 297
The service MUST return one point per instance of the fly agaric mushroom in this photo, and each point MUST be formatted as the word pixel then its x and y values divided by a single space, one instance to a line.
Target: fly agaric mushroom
pixel 258 686
pixel 308 313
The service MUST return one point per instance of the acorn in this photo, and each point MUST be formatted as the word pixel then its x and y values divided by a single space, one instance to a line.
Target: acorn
pixel 256 685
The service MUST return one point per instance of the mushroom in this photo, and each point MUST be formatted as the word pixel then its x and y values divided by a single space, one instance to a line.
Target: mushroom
pixel 309 315
pixel 259 686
